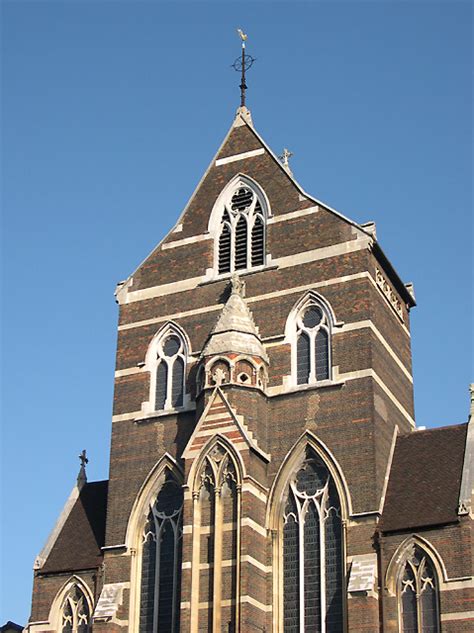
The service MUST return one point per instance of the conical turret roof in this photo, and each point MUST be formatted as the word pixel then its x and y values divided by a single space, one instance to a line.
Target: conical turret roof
pixel 235 330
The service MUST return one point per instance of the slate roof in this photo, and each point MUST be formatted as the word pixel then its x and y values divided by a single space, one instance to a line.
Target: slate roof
pixel 425 479
pixel 79 543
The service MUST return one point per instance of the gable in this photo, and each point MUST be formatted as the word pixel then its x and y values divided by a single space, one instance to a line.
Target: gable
pixel 298 220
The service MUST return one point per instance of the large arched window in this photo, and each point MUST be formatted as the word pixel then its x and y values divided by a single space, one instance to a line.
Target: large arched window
pixel 75 612
pixel 310 332
pixel 166 361
pixel 161 561
pixel 312 551
pixel 241 232
pixel 418 594
pixel 216 510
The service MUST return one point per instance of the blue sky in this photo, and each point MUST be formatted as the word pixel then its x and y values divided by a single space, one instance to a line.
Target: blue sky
pixel 111 112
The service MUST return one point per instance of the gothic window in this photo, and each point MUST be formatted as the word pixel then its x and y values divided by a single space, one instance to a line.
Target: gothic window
pixel 313 349
pixel 75 612
pixel 168 369
pixel 161 561
pixel 418 594
pixel 217 499
pixel 312 551
pixel 241 242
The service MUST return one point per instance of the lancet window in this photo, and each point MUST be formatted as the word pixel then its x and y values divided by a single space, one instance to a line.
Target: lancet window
pixel 418 594
pixel 75 612
pixel 242 230
pixel 168 369
pixel 313 344
pixel 161 561
pixel 216 511
pixel 312 551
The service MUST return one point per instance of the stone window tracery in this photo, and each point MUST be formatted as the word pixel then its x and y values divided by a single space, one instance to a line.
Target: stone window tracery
pixel 161 561
pixel 217 517
pixel 167 365
pixel 418 594
pixel 75 612
pixel 312 551
pixel 241 238
pixel 313 344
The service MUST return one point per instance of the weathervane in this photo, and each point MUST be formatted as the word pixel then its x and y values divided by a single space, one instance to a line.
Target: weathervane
pixel 242 64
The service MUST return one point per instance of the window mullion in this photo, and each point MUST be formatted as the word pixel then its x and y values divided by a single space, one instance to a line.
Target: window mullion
pixel 301 513
pixel 169 383
pixel 312 355
pixel 156 597
pixel 322 563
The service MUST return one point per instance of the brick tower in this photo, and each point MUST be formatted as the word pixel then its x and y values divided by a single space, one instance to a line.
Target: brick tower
pixel 265 470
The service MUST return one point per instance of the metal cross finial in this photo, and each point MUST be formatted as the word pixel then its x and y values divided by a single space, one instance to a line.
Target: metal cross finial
pixel 83 459
pixel 242 64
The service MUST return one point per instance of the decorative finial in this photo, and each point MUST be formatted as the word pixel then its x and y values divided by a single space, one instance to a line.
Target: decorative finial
pixel 471 392
pixel 242 64
pixel 81 477
pixel 285 159
pixel 237 286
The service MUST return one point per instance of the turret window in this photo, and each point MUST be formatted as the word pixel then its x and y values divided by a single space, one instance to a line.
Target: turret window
pixel 241 241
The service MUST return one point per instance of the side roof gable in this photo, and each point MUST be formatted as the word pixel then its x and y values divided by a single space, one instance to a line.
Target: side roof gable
pixel 425 479
pixel 79 542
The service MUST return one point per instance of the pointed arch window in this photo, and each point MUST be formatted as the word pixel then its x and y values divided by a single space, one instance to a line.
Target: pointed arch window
pixel 75 612
pixel 161 561
pixel 312 551
pixel 418 594
pixel 167 363
pixel 217 515
pixel 242 230
pixel 312 350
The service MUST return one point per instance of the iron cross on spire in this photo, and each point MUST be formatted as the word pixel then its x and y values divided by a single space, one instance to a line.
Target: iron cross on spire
pixel 242 64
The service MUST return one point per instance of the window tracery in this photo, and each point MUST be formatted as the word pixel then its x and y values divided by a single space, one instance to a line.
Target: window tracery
pixel 167 363
pixel 75 612
pixel 418 594
pixel 241 241
pixel 217 499
pixel 313 343
pixel 312 551
pixel 161 561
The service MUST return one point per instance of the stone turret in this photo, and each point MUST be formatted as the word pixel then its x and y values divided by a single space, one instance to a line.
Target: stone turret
pixel 234 353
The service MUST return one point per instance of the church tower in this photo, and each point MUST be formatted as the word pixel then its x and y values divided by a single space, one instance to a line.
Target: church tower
pixel 266 474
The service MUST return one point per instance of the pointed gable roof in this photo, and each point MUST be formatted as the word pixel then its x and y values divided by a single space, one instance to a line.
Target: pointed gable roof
pixel 219 418
pixel 235 330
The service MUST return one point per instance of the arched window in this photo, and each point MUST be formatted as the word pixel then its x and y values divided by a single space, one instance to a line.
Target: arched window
pixel 312 551
pixel 418 594
pixel 312 346
pixel 217 516
pixel 161 561
pixel 166 361
pixel 241 237
pixel 75 612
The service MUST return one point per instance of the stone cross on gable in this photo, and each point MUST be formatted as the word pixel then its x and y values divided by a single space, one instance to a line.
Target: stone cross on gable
pixel 82 477
pixel 285 157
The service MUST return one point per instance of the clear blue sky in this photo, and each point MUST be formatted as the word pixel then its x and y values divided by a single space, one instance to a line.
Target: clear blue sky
pixel 112 111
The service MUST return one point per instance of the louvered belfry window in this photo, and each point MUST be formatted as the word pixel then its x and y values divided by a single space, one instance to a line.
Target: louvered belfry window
pixel 170 371
pixel 242 231
pixel 312 551
pixel 312 345
pixel 161 561
pixel 418 594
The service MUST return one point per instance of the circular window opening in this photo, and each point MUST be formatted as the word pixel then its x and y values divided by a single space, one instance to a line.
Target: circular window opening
pixel 171 346
pixel 312 317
